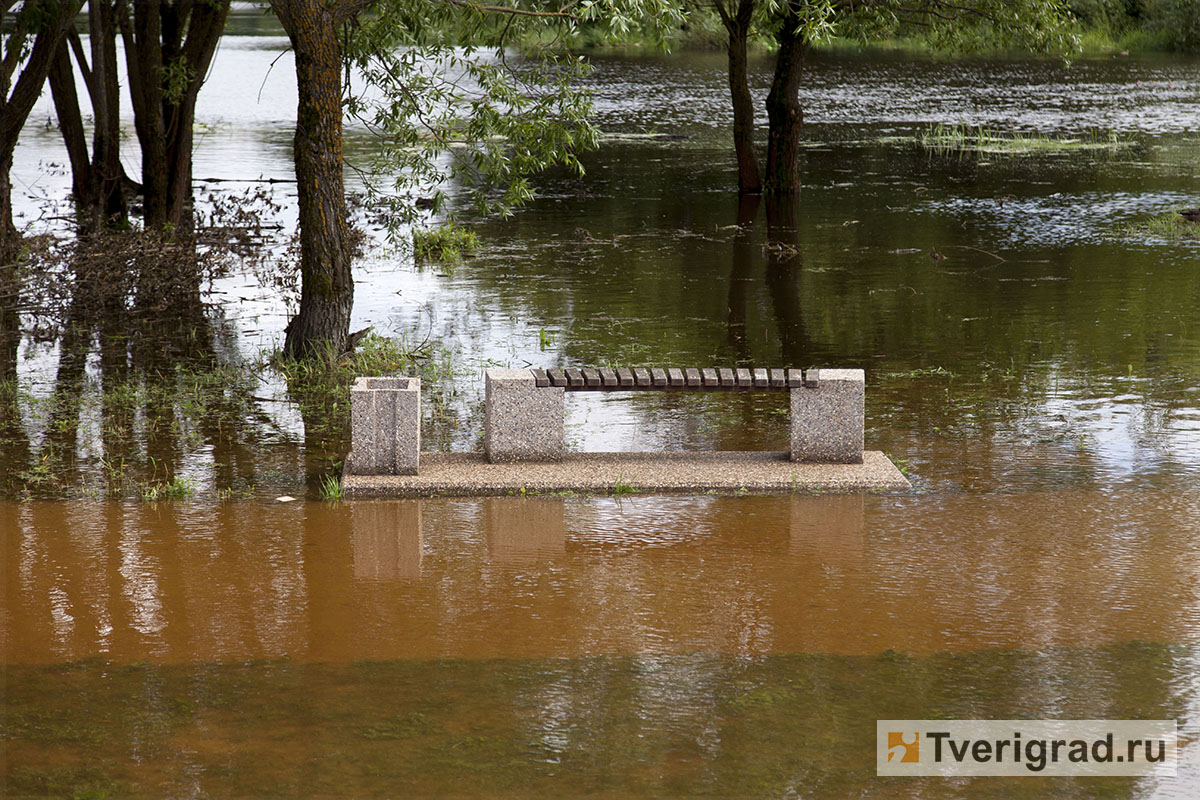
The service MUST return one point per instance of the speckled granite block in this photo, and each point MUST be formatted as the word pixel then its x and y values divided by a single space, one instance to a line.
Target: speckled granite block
pixel 385 426
pixel 522 422
pixel 827 419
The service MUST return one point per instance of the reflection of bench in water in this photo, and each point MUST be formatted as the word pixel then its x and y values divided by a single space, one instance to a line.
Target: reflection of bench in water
pixel 524 419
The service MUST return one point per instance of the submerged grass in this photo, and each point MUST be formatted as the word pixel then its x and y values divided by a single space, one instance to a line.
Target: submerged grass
pixel 950 139
pixel 331 488
pixel 124 433
pixel 1169 226
pixel 178 488
pixel 446 244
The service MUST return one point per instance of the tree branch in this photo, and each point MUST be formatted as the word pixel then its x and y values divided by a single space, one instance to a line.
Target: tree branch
pixel 509 10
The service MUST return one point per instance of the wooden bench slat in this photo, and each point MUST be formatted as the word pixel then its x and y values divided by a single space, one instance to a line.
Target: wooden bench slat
pixel 662 378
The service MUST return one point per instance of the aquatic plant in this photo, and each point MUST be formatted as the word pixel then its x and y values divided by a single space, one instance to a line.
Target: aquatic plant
pixel 178 488
pixel 1169 226
pixel 621 486
pixel 446 244
pixel 331 488
pixel 944 139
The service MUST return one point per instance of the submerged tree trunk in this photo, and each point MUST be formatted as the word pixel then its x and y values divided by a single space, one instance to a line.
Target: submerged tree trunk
pixel 47 22
pixel 784 115
pixel 10 280
pixel 166 72
pixel 737 25
pixel 70 125
pixel 108 173
pixel 322 326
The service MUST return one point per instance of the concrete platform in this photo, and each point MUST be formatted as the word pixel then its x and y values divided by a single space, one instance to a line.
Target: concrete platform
pixel 470 474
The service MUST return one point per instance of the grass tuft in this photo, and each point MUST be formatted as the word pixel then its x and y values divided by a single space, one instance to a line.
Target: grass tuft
pixel 178 488
pixel 331 488
pixel 447 244
pixel 949 139
pixel 1169 227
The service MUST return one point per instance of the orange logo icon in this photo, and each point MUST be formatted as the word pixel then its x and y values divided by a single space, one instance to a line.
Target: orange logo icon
pixel 909 751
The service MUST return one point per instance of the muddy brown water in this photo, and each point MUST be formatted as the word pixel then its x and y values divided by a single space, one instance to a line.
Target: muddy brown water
pixel 1039 380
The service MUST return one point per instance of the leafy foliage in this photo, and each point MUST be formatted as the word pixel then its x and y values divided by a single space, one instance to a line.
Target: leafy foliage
pixel 453 98
pixel 958 26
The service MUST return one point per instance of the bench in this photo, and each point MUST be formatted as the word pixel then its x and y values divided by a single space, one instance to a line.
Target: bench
pixel 524 407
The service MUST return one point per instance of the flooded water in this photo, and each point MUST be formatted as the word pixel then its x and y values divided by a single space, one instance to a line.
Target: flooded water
pixel 1032 362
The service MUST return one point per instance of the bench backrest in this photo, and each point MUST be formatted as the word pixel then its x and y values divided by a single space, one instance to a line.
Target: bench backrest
pixel 674 379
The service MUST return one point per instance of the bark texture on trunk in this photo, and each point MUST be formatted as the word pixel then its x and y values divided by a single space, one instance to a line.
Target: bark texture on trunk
pixel 737 25
pixel 322 326
pixel 784 115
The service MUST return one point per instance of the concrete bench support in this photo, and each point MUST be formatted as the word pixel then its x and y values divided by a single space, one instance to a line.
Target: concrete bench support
pixel 385 426
pixel 523 422
pixel 525 407
pixel 827 417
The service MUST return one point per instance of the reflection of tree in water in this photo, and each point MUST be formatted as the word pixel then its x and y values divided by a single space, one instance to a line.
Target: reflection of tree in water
pixel 741 275
pixel 130 306
pixel 784 265
pixel 783 268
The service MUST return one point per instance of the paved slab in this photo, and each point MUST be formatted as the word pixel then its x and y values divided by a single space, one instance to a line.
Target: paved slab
pixel 470 474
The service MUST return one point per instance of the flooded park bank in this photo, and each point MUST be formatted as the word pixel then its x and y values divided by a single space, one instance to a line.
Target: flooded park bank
pixel 1032 358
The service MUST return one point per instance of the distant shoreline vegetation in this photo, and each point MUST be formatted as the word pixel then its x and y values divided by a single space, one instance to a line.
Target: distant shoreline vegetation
pixel 1103 27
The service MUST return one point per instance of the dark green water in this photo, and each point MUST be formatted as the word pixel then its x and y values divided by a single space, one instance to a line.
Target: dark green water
pixel 679 726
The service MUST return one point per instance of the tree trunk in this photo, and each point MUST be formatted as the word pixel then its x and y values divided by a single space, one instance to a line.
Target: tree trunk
pixel 784 115
pixel 146 61
pixel 88 211
pixel 204 25
pixel 164 108
pixel 322 326
pixel 737 25
pixel 10 281
pixel 105 89
pixel 14 111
